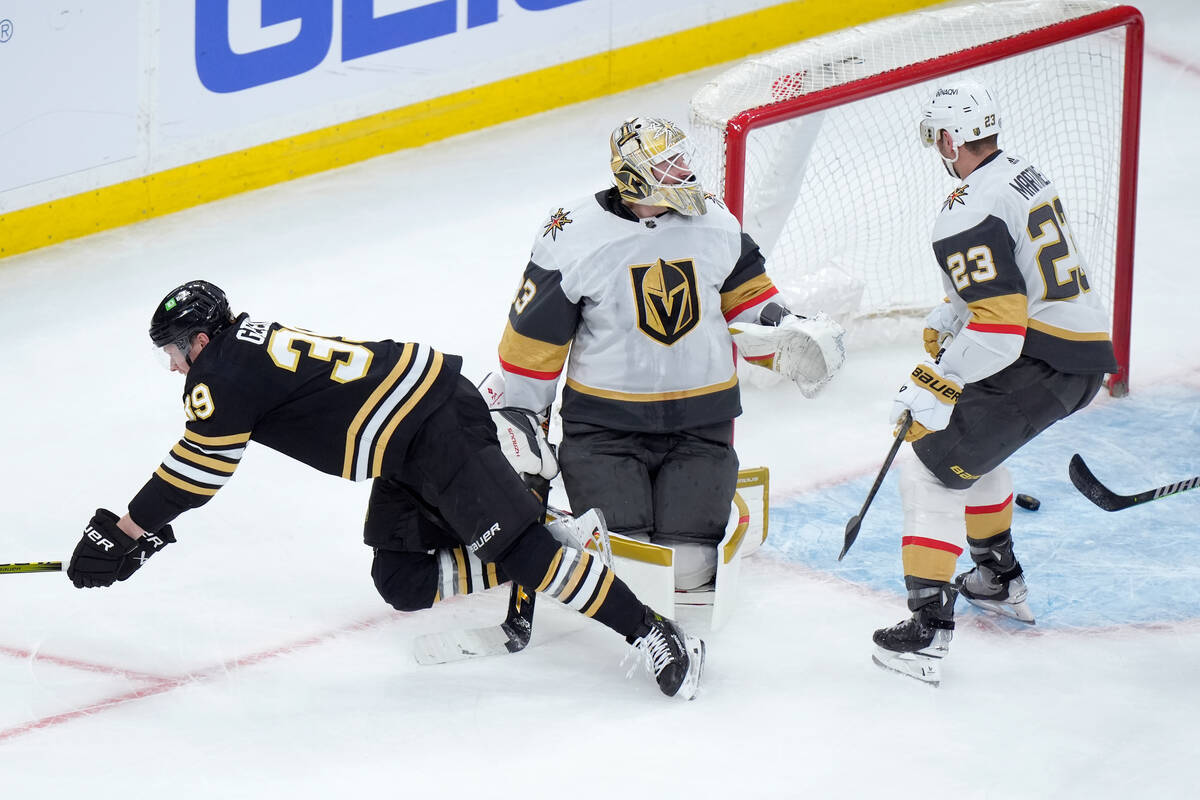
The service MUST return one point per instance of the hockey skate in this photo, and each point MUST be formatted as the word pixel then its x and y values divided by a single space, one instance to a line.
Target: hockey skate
pixel 675 659
pixel 1002 594
pixel 916 646
pixel 913 648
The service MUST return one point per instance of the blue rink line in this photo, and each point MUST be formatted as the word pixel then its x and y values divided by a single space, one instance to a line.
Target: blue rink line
pixel 1085 567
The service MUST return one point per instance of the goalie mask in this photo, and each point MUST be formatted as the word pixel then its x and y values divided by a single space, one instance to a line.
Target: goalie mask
pixel 652 166
pixel 966 110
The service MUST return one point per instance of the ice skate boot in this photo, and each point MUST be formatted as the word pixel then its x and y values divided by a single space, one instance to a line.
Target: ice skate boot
pixel 916 646
pixel 1002 593
pixel 996 583
pixel 675 659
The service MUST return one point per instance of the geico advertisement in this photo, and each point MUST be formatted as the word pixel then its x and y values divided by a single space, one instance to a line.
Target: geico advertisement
pixel 114 89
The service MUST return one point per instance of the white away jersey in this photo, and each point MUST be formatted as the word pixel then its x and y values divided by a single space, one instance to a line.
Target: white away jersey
pixel 1011 269
pixel 642 306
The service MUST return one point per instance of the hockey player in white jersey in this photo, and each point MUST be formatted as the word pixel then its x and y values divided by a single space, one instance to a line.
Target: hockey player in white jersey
pixel 1023 343
pixel 640 283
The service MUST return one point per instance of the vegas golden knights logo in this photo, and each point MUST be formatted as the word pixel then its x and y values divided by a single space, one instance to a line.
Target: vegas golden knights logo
pixel 668 302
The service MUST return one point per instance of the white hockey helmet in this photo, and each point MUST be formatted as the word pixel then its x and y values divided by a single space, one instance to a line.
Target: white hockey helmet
pixel 965 109
pixel 652 166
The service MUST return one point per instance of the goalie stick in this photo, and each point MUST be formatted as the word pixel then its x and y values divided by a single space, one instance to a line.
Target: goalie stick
pixel 31 566
pixel 855 522
pixel 1109 500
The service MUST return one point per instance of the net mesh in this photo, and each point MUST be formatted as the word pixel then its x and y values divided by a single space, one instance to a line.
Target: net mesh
pixel 843 201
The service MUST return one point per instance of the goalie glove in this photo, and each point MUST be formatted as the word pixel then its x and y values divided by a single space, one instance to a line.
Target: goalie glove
pixel 941 325
pixel 809 351
pixel 930 396
pixel 522 436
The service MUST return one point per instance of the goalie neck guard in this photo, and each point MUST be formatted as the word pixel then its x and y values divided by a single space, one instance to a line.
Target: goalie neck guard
pixel 652 166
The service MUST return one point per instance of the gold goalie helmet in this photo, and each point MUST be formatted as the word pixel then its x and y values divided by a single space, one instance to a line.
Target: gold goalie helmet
pixel 652 166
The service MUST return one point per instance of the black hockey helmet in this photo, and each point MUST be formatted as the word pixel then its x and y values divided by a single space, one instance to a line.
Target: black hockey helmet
pixel 195 307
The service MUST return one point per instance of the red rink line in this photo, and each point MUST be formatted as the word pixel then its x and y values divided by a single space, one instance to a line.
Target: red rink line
pixel 74 663
pixel 161 684
pixel 1174 61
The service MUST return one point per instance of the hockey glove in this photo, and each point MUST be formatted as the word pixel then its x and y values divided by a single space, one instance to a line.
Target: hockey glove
pixel 522 436
pixel 930 396
pixel 941 325
pixel 809 351
pixel 106 554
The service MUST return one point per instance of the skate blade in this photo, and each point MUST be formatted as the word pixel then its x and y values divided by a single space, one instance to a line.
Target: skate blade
pixel 924 668
pixel 691 681
pixel 1018 611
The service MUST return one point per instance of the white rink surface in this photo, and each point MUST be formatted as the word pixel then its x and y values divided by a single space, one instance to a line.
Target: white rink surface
pixel 253 659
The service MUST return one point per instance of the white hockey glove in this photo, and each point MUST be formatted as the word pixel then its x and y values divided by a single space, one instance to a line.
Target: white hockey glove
pixel 930 396
pixel 809 351
pixel 941 325
pixel 522 436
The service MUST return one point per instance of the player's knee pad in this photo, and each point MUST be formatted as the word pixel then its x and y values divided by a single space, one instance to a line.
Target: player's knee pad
pixel 989 510
pixel 934 526
pixel 407 581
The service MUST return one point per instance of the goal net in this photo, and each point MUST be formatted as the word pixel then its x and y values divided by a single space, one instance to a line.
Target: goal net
pixel 815 148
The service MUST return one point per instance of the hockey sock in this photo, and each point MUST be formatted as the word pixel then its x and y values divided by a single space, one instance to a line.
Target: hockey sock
pixel 575 578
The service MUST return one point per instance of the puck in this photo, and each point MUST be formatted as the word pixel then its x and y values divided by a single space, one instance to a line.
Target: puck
pixel 1028 502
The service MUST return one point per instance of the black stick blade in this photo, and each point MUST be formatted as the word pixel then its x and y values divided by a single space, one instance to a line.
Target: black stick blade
pixel 852 527
pixel 1092 489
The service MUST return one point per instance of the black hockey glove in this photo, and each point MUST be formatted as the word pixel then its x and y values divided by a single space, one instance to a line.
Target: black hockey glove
pixel 105 554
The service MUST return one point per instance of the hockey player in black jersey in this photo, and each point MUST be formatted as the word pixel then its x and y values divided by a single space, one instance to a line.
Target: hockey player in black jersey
pixel 1020 343
pixel 447 513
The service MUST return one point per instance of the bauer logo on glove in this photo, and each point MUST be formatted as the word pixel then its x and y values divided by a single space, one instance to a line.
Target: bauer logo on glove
pixel 930 397
pixel 944 390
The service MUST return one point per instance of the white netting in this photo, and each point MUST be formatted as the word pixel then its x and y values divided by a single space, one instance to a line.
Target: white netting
pixel 843 200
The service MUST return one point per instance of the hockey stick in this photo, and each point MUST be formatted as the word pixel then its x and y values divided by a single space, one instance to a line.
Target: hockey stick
pixel 510 636
pixel 1109 500
pixel 855 522
pixel 31 566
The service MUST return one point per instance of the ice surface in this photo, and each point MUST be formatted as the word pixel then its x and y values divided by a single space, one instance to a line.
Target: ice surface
pixel 254 659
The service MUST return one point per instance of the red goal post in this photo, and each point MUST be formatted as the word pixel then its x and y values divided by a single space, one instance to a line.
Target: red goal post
pixel 814 147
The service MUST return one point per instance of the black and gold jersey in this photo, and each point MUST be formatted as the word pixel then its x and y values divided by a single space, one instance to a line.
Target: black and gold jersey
pixel 344 407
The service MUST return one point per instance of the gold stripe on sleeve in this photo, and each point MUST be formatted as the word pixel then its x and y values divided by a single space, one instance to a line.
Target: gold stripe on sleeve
pixel 180 483
pixel 745 293
pixel 216 441
pixel 204 461
pixel 531 354
pixel 1005 309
